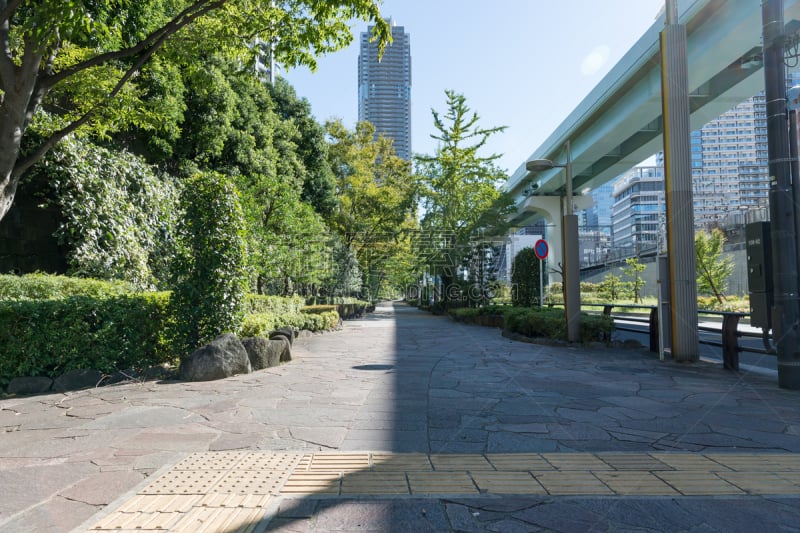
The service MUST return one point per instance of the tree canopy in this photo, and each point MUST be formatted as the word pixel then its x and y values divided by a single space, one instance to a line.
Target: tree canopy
pixel 99 64
pixel 459 187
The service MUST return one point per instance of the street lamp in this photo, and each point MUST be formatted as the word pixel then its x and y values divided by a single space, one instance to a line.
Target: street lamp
pixel 569 245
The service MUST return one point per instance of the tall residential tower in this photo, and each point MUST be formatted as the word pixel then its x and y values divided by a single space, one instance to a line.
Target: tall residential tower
pixel 384 88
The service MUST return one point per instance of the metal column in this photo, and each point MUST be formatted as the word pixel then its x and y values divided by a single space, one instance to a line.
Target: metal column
pixel 678 188
pixel 781 201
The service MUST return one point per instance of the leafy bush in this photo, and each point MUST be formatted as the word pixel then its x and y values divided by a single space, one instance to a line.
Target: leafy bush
pixel 279 305
pixel 318 309
pixel 261 324
pixel 209 297
pixel 50 287
pixel 118 215
pixel 49 337
pixel 541 322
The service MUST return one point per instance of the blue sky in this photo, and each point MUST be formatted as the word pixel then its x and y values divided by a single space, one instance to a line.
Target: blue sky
pixel 496 54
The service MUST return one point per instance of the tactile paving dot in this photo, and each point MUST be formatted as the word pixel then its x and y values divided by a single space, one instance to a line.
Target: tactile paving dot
pixel 210 461
pixel 270 461
pixel 184 482
pixel 252 482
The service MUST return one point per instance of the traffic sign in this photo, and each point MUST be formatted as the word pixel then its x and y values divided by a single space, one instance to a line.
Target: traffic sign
pixel 541 248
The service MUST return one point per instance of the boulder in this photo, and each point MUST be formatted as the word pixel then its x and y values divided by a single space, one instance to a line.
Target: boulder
pixel 29 385
pixel 76 379
pixel 223 357
pixel 262 353
pixel 282 346
pixel 286 332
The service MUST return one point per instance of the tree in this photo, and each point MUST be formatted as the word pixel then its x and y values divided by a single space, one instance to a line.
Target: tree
pixel 84 57
pixel 458 186
pixel 319 183
pixel 376 193
pixel 613 288
pixel 634 270
pixel 713 270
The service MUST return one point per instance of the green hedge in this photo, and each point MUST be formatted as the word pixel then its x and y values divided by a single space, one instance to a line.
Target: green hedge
pixel 261 324
pixel 279 305
pixel 51 287
pixel 541 322
pixel 49 337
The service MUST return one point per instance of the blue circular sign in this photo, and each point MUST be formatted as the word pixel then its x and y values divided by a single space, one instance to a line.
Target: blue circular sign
pixel 541 248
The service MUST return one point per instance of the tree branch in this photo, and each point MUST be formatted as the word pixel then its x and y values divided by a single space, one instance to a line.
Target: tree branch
pixel 175 25
pixel 152 41
pixel 8 10
pixel 6 63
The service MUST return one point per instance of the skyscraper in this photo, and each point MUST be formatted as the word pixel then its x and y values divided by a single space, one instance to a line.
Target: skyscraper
pixel 729 161
pixel 384 88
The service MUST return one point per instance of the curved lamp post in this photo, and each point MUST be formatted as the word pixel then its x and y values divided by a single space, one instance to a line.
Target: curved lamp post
pixel 569 245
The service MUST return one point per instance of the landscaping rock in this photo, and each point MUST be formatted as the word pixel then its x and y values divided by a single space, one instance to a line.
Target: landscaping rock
pixel 305 334
pixel 223 357
pixel 284 347
pixel 263 353
pixel 286 332
pixel 77 379
pixel 29 385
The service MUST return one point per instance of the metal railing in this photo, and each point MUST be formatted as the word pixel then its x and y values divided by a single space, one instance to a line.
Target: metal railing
pixel 728 330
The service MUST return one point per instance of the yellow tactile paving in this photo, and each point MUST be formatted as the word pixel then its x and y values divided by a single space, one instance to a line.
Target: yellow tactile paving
pixel 214 519
pixel 441 482
pixel 576 461
pixel 760 482
pixel 460 462
pixel 172 503
pixel 507 483
pixel 757 463
pixel 251 482
pixel 698 483
pixel 686 461
pixel 375 483
pixel 139 522
pixel 519 461
pixel 572 483
pixel 401 462
pixel 312 483
pixel 185 482
pixel 632 461
pixel 347 462
pixel 230 491
pixel 630 482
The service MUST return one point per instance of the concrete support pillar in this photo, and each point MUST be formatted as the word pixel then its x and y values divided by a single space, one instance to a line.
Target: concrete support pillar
pixel 678 188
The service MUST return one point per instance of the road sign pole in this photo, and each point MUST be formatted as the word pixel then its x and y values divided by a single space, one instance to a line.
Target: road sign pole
pixel 541 283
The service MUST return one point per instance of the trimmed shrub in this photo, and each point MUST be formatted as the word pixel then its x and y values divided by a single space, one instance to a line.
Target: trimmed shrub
pixel 50 337
pixel 317 309
pixel 279 305
pixel 51 287
pixel 545 322
pixel 261 324
pixel 525 278
pixel 209 297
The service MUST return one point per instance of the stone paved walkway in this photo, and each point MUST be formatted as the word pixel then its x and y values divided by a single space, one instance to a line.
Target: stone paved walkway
pixel 414 403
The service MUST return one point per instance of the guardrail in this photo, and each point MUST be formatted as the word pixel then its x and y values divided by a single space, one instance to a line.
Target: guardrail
pixel 729 331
